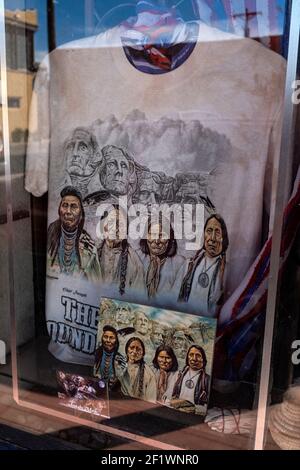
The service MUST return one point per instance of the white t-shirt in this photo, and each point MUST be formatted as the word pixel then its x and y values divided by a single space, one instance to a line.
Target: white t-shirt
pixel 208 130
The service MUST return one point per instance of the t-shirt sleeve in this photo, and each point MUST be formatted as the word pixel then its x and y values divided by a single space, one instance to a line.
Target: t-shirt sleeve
pixel 37 157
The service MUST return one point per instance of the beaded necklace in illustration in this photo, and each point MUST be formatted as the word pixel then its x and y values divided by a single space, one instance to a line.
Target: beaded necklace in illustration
pixel 67 251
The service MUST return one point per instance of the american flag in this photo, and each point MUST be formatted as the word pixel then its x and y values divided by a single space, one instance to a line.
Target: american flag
pixel 241 318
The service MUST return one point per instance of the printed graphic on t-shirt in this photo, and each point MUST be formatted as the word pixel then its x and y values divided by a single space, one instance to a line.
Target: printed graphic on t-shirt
pixel 130 229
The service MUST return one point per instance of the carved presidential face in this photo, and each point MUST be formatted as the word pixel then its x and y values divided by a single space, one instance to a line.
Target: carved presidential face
pixel 213 238
pixel 81 157
pixel 109 341
pixel 195 359
pixel 141 323
pixel 135 352
pixel 157 335
pixel 164 361
pixel 123 317
pixel 189 193
pixel 70 213
pixel 115 176
pixel 157 240
pixel 149 191
pixel 180 342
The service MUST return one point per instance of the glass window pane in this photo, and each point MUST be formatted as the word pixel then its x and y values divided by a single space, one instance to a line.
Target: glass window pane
pixel 116 110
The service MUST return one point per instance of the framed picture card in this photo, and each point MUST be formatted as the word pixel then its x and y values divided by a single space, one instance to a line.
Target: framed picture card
pixel 157 355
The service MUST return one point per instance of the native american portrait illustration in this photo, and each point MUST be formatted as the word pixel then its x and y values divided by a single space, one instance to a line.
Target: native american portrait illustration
pixel 158 355
pixel 71 250
pixel 205 271
pixel 82 158
pixel 117 165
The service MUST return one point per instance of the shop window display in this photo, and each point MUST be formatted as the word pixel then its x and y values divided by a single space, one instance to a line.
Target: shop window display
pixel 157 140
